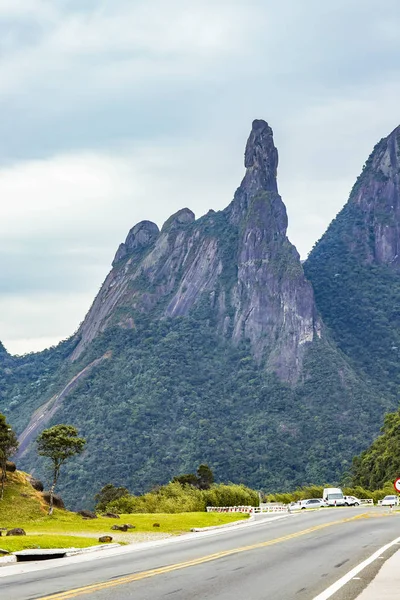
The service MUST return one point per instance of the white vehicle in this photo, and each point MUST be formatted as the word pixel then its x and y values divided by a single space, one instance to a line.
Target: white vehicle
pixel 311 503
pixel 333 497
pixel 390 501
pixel 351 501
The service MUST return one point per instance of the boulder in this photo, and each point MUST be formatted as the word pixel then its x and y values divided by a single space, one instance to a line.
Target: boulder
pixel 105 538
pixel 57 500
pixel 111 515
pixel 156 524
pixel 36 484
pixel 87 514
pixel 120 528
pixel 11 467
pixel 16 531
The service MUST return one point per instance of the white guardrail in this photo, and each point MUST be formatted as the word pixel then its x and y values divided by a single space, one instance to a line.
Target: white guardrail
pixel 249 509
pixel 268 508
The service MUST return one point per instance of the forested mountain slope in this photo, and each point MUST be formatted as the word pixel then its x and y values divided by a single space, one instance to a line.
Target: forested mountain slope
pixel 204 344
pixel 380 463
pixel 355 269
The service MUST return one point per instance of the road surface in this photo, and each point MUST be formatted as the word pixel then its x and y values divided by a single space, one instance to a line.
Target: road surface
pixel 294 558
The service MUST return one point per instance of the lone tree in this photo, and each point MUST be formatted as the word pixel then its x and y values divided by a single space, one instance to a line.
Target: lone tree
pixel 59 443
pixel 202 481
pixel 205 477
pixel 109 493
pixel 8 445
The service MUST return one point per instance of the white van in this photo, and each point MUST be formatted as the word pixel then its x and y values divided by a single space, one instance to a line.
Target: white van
pixel 334 497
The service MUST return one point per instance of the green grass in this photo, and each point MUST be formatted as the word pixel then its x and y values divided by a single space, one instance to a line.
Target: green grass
pixel 64 522
pixel 23 507
pixel 21 501
pixel 26 542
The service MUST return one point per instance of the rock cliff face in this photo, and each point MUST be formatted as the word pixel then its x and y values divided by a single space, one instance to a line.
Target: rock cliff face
pixel 354 268
pixel 238 263
pixel 375 200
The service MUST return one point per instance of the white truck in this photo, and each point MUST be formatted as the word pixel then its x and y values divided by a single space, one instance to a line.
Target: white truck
pixel 334 497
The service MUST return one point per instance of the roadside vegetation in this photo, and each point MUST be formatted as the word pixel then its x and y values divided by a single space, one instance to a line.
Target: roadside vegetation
pixel 24 507
pixel 190 492
pixel 177 498
pixel 315 491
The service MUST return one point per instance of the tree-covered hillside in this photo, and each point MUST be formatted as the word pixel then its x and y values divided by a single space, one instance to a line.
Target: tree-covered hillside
pixel 174 394
pixel 355 270
pixel 359 301
pixel 380 463
pixel 27 381
pixel 205 344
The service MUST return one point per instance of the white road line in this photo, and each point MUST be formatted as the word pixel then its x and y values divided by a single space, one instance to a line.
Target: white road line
pixel 335 587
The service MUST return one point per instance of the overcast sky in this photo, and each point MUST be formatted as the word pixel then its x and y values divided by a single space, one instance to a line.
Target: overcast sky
pixel 122 110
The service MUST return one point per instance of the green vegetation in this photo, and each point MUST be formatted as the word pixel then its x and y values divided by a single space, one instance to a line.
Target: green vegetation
pixel 175 394
pixel 379 465
pixel 202 480
pixel 358 301
pixel 24 507
pixel 8 445
pixel 59 443
pixel 181 498
pixel 107 494
pixel 21 502
pixel 39 540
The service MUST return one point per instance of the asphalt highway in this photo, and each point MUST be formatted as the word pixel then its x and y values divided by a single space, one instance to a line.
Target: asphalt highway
pixel 294 558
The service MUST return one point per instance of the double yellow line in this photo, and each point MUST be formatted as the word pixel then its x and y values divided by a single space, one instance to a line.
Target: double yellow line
pixel 96 587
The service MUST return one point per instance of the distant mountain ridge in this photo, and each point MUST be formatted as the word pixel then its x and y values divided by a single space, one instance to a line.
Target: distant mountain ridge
pixel 216 352
pixel 354 269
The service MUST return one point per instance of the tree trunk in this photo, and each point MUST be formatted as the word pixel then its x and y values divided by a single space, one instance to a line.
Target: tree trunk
pixel 51 501
pixel 55 479
pixel 51 508
pixel 3 476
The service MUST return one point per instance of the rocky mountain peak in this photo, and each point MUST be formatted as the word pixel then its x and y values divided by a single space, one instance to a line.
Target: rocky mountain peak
pixel 260 159
pixel 182 217
pixel 375 202
pixel 142 235
pixel 261 162
pixel 237 265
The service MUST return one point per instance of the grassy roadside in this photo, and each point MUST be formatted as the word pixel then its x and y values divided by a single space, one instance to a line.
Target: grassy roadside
pixel 28 542
pixel 23 507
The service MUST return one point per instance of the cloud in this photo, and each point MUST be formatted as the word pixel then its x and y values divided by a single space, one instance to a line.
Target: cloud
pixel 65 217
pixel 40 320
pixel 117 112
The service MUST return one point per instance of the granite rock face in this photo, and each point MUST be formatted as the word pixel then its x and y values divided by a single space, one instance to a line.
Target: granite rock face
pixel 376 197
pixel 238 262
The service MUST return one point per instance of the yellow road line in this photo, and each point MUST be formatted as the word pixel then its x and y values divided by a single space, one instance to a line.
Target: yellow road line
pixel 96 587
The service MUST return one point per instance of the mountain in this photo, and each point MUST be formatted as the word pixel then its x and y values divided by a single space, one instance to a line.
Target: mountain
pixel 355 270
pixel 204 345
pixel 238 264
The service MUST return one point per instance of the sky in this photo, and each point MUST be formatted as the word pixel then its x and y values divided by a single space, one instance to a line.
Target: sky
pixel 117 111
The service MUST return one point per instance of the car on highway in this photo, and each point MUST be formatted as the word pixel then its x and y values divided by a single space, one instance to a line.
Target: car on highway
pixel 311 503
pixel 390 501
pixel 351 501
pixel 333 496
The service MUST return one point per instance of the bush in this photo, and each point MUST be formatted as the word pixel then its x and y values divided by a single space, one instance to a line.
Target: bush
pixel 178 498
